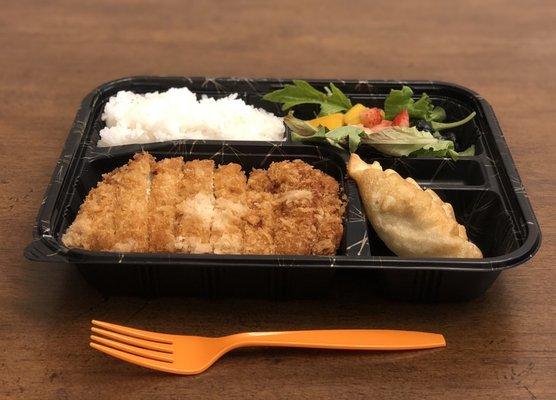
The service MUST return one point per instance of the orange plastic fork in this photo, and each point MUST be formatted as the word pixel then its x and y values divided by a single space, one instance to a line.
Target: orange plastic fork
pixel 189 355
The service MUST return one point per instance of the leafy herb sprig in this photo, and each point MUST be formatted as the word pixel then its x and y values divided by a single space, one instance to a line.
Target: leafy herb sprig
pixel 331 101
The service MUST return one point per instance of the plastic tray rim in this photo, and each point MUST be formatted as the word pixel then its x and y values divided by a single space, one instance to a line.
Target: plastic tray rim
pixel 45 247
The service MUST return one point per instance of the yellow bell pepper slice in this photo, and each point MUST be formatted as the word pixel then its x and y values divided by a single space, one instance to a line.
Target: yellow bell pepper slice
pixel 331 121
pixel 351 117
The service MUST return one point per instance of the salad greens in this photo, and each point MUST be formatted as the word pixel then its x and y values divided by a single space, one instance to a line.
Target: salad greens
pixel 445 150
pixel 388 131
pixel 439 126
pixel 332 101
pixel 392 141
pixel 423 108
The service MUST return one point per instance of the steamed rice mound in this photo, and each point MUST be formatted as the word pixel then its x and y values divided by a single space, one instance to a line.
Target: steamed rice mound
pixel 177 114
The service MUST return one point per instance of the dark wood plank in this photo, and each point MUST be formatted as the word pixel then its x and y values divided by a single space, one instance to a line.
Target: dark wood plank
pixel 52 53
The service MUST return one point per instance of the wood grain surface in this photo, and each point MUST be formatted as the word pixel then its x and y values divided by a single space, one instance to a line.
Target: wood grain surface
pixel 500 346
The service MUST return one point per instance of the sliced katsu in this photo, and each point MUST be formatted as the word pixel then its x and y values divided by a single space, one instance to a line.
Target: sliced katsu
pixel 259 218
pixel 195 207
pixel 309 209
pixel 230 185
pixel 194 215
pixel 114 215
pixel 166 193
pixel 295 225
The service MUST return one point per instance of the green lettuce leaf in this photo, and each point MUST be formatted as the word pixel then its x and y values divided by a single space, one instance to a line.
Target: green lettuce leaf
pixel 445 149
pixel 437 114
pixel 335 98
pixel 299 127
pixel 318 136
pixel 330 108
pixel 301 92
pixel 470 151
pixel 423 108
pixel 399 141
pixel 438 126
pixel 353 134
pixel 298 93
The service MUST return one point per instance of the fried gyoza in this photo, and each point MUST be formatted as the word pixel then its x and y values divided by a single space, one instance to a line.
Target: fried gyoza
pixel 411 221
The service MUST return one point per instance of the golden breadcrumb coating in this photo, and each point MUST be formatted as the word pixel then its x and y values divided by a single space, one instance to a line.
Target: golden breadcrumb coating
pixel 309 210
pixel 259 218
pixel 191 207
pixel 194 215
pixel 113 216
pixel 165 195
pixel 295 226
pixel 229 209
pixel 330 212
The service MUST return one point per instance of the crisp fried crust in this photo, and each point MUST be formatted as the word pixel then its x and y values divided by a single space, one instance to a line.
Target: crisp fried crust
pixel 230 185
pixel 177 206
pixel 166 193
pixel 259 218
pixel 309 210
pixel 295 226
pixel 194 215
pixel 330 211
pixel 113 216
pixel 411 221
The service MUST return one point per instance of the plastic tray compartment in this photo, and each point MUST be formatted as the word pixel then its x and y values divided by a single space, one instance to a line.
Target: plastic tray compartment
pixel 485 191
pixel 153 274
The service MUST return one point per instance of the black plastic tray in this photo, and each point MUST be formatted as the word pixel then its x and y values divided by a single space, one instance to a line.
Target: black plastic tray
pixel 485 191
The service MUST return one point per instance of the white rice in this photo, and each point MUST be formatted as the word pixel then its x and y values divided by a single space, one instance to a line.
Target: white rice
pixel 176 114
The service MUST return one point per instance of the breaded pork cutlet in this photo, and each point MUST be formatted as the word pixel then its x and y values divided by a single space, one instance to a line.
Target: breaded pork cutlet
pixel 330 212
pixel 309 210
pixel 259 217
pixel 165 195
pixel 189 207
pixel 328 205
pixel 194 215
pixel 113 216
pixel 230 185
pixel 295 225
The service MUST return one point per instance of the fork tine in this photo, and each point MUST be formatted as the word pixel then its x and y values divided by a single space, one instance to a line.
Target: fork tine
pixel 138 333
pixel 146 344
pixel 153 355
pixel 144 362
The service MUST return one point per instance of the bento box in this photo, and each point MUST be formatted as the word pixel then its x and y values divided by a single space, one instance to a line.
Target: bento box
pixel 485 191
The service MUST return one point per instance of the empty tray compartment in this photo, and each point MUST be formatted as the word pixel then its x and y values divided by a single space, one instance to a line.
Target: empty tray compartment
pixel 440 172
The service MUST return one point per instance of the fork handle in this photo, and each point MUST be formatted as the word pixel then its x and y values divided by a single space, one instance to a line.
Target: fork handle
pixel 349 339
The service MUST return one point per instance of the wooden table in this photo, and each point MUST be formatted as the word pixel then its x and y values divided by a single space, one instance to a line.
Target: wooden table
pixel 501 345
